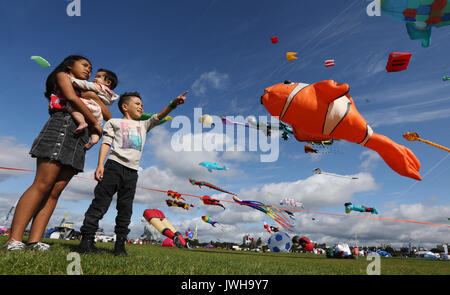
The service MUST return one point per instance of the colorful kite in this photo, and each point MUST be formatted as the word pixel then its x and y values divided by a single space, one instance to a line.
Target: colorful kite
pixel 210 166
pixel 266 226
pixel 172 203
pixel 290 56
pixel 329 63
pixel 208 219
pixel 272 212
pixel 318 171
pixel 324 111
pixel 414 136
pixel 158 220
pixel 309 150
pixel 420 16
pixel 41 61
pixel 445 78
pixel 206 121
pixel 207 200
pixel 204 183
pixel 267 128
pixel 398 61
pixel 350 207
pixel 175 195
pixel 304 242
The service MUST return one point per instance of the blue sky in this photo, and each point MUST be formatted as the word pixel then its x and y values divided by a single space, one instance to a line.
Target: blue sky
pixel 221 52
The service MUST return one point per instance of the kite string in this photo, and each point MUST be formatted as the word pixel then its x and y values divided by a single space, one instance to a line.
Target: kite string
pixel 424 175
pixel 266 206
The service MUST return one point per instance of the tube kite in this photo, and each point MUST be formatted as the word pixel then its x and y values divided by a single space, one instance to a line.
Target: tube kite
pixel 272 212
pixel 414 136
pixel 350 207
pixel 318 171
pixel 172 203
pixel 208 219
pixel 324 111
pixel 158 220
pixel 207 200
pixel 204 183
pixel 175 195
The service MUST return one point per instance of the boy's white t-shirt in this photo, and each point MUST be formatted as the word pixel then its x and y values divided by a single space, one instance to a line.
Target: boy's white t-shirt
pixel 127 139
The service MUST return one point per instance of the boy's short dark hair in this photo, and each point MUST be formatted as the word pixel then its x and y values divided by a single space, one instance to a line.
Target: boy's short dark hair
pixel 111 77
pixel 125 97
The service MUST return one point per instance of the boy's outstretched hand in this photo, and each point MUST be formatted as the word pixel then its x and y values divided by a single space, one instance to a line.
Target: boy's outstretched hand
pixel 180 99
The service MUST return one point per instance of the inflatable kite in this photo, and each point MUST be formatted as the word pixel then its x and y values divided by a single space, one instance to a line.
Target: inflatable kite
pixel 204 183
pixel 398 61
pixel 189 234
pixel 41 61
pixel 157 219
pixel 146 116
pixel 414 136
pixel 208 219
pixel 272 212
pixel 290 56
pixel 350 207
pixel 420 16
pixel 324 111
pixel 207 200
pixel 229 122
pixel 318 171
pixel 207 121
pixel 274 40
pixel 329 63
pixel 291 202
pixel 266 226
pixel 210 166
pixel 172 203
pixel 304 242
pixel 309 150
pixel 267 128
pixel 175 195
pixel 445 78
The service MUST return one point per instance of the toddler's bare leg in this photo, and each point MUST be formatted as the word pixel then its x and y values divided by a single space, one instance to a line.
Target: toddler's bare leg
pixel 79 118
pixel 94 139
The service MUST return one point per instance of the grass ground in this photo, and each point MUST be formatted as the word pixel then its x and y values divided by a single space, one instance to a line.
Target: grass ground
pixel 156 260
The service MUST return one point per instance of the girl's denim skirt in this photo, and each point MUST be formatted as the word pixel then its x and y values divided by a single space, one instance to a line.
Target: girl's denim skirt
pixel 58 142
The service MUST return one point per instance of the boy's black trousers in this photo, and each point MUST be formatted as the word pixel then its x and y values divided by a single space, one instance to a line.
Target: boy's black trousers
pixel 116 179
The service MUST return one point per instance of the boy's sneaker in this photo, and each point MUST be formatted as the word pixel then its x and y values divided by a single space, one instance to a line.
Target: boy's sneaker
pixel 119 247
pixel 39 246
pixel 14 246
pixel 87 244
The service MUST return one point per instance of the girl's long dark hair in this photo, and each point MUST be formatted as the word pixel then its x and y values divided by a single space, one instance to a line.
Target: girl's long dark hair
pixel 62 67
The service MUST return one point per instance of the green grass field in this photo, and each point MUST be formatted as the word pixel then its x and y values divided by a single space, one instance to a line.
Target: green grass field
pixel 156 260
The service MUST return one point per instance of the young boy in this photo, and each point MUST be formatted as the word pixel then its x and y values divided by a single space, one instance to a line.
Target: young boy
pixel 126 138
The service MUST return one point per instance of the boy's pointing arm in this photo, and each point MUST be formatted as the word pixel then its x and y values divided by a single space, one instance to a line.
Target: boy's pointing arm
pixel 173 104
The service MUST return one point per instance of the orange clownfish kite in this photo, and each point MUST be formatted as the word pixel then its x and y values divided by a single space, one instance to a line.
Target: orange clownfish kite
pixel 324 111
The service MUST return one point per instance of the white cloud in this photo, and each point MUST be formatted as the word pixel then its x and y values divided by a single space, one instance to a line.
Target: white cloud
pixel 210 80
pixel 14 155
pixel 371 159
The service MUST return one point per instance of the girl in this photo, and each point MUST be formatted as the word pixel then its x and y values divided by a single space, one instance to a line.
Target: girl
pixel 60 153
